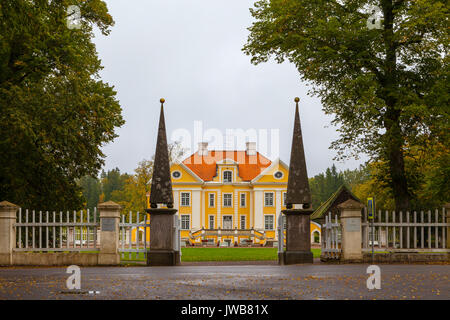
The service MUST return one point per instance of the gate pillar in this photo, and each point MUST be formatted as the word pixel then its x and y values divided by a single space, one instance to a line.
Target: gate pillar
pixel 447 209
pixel 109 233
pixel 351 230
pixel 163 245
pixel 298 203
pixel 8 216
pixel 298 237
pixel 162 241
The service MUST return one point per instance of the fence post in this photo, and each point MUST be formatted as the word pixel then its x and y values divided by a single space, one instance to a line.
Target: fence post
pixel 447 209
pixel 350 214
pixel 109 233
pixel 8 212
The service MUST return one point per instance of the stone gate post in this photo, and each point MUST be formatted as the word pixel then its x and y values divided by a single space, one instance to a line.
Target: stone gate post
pixel 447 209
pixel 350 215
pixel 8 214
pixel 109 233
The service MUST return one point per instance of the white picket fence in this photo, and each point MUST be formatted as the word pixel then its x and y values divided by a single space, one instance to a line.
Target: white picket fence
pixel 410 232
pixel 134 236
pixel 331 238
pixel 56 231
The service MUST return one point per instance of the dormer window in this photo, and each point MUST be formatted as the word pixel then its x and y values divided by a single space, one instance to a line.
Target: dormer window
pixel 227 176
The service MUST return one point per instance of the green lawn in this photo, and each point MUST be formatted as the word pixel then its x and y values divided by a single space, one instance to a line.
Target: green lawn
pixel 224 254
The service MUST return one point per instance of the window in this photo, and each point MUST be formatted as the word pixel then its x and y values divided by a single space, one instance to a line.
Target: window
pixel 227 199
pixel 268 199
pixel 284 199
pixel 185 199
pixel 211 200
pixel 243 200
pixel 185 221
pixel 268 222
pixel 278 175
pixel 227 176
pixel 176 174
pixel 211 222
pixel 242 222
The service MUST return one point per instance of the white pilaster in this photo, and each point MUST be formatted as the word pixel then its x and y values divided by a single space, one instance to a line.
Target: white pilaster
pixel 251 209
pixel 278 211
pixel 176 199
pixel 202 206
pixel 259 219
pixel 196 211
pixel 236 204
pixel 219 207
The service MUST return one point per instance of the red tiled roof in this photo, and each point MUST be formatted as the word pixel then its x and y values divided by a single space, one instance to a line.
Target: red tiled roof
pixel 205 166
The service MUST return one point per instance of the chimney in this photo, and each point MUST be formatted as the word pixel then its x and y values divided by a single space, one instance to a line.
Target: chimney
pixel 203 148
pixel 250 148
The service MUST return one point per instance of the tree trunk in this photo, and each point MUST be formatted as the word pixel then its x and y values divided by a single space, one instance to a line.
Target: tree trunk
pixel 394 138
pixel 394 153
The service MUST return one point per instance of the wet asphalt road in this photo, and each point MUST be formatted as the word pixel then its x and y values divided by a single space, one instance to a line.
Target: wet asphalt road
pixel 229 282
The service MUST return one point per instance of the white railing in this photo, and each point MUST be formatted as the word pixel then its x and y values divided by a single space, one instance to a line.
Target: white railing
pixel 409 232
pixel 134 237
pixel 56 231
pixel 331 238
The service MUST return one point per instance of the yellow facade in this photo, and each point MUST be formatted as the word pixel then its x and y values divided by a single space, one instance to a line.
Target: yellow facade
pixel 226 209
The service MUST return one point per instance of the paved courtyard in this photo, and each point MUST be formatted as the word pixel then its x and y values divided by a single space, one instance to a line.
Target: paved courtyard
pixel 229 282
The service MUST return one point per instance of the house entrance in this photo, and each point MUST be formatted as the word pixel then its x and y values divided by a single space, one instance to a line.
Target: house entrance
pixel 227 222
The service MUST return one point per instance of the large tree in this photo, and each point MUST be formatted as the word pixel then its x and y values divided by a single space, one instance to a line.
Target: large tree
pixel 56 113
pixel 386 85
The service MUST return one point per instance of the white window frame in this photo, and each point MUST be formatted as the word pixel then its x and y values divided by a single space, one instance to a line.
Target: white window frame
pixel 181 199
pixel 245 200
pixel 231 176
pixel 266 222
pixel 243 221
pixel 213 199
pixel 273 199
pixel 223 200
pixel 189 221
pixel 213 221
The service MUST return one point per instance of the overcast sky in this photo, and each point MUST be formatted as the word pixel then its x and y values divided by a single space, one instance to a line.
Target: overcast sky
pixel 189 52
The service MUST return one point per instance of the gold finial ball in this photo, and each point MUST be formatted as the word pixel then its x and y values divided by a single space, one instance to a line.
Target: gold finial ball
pixel 297 99
pixel 162 100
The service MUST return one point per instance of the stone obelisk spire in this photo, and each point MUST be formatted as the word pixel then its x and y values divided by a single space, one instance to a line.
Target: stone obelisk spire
pixel 161 189
pixel 298 186
pixel 164 239
pixel 298 204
